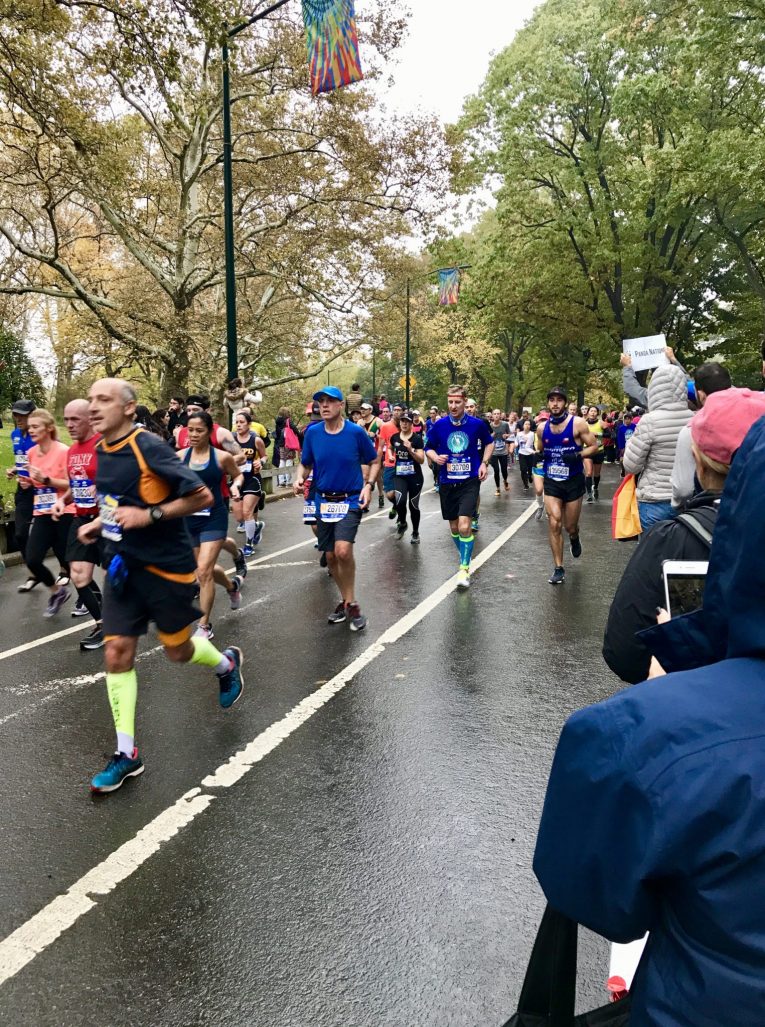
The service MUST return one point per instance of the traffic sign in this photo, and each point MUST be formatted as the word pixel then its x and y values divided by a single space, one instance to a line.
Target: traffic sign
pixel 412 382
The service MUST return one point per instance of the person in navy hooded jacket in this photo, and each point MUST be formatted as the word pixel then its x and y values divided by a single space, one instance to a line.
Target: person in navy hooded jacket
pixel 654 818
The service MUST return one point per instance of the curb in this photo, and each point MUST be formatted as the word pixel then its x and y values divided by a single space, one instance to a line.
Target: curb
pixel 14 559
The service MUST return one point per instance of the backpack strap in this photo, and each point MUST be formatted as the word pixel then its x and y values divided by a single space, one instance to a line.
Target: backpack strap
pixel 696 528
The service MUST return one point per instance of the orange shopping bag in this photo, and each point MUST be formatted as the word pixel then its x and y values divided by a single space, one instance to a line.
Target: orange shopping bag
pixel 625 519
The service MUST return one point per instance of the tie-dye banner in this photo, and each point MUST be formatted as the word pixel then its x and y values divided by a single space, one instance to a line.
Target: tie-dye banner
pixel 449 287
pixel 333 44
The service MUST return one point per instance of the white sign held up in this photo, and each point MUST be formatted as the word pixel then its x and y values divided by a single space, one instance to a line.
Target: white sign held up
pixel 647 352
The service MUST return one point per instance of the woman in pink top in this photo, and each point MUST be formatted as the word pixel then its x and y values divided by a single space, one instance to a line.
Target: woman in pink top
pixel 48 471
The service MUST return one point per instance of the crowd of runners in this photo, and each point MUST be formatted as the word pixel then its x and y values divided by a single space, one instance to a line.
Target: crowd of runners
pixel 147 498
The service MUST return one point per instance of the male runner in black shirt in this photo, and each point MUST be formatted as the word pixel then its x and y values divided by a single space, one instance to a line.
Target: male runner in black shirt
pixel 144 494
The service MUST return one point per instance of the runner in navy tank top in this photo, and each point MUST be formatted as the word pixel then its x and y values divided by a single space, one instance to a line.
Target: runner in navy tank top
pixel 565 440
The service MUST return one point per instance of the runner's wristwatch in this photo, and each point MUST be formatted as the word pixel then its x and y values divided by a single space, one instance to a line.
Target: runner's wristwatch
pixel 156 513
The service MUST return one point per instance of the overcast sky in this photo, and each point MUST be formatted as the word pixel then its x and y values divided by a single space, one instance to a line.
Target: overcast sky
pixel 448 50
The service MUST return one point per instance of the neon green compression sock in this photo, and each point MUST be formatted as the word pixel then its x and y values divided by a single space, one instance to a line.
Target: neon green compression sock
pixel 123 694
pixel 207 655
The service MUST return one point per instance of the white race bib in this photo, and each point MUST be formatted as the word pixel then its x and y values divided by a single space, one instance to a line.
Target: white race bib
pixel 21 460
pixel 309 510
pixel 558 472
pixel 246 467
pixel 84 493
pixel 332 512
pixel 44 500
pixel 458 470
pixel 405 467
pixel 109 528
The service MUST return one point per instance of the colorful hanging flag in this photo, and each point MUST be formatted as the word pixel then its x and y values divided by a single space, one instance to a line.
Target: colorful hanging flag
pixel 449 287
pixel 333 44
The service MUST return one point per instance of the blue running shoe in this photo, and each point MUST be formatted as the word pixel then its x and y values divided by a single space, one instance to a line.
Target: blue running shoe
pixel 255 540
pixel 116 772
pixel 475 525
pixel 248 550
pixel 232 684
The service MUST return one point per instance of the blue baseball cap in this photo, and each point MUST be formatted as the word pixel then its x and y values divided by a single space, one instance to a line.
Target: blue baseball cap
pixel 329 390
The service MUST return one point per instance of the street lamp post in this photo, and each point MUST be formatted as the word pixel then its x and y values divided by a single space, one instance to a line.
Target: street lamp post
pixel 425 274
pixel 232 354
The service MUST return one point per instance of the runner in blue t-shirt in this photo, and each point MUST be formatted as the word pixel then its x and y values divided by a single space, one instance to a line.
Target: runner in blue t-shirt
pixel 461 446
pixel 345 466
pixel 623 433
pixel 22 442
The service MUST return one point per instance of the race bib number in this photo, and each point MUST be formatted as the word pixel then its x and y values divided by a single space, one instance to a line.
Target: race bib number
pixel 457 470
pixel 84 493
pixel 109 528
pixel 21 460
pixel 558 472
pixel 405 467
pixel 309 510
pixel 332 512
pixel 44 500
pixel 499 445
pixel 246 467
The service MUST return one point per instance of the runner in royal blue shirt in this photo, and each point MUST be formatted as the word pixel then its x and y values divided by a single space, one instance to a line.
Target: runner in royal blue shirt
pixel 345 466
pixel 461 446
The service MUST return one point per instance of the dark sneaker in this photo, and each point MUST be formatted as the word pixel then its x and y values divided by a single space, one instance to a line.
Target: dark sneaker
pixel 248 550
pixel 232 684
pixel 576 546
pixel 240 564
pixel 339 615
pixel 116 772
pixel 56 601
pixel 392 513
pixel 401 530
pixel 323 560
pixel 235 595
pixel 259 526
pixel 540 513
pixel 589 498
pixel 356 617
pixel 557 577
pixel 80 610
pixel 95 639
pixel 475 525
pixel 497 492
pixel 28 585
pixel 381 502
pixel 415 539
pixel 595 493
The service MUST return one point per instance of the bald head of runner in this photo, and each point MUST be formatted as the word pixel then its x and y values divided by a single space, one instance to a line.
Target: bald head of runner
pixel 112 407
pixel 77 420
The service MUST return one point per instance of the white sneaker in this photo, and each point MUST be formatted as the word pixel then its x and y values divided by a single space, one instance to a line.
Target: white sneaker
pixel 463 578
pixel 204 631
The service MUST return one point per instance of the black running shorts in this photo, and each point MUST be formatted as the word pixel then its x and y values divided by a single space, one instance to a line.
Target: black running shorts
pixel 82 552
pixel 568 491
pixel 339 531
pixel 148 597
pixel 459 498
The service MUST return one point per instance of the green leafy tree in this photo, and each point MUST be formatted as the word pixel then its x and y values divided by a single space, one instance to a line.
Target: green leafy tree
pixel 18 375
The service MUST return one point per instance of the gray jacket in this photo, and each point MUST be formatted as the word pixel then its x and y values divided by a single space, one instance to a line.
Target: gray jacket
pixel 650 452
pixel 634 390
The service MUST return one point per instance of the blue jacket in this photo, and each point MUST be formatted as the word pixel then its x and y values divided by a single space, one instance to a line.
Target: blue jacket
pixel 654 818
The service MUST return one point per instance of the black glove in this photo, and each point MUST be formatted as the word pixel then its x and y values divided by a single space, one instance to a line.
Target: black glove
pixel 569 459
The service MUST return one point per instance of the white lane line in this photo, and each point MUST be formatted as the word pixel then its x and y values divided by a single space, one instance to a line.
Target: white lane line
pixel 41 930
pixel 294 563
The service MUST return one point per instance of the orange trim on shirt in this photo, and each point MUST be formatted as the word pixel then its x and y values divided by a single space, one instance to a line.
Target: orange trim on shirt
pixel 181 579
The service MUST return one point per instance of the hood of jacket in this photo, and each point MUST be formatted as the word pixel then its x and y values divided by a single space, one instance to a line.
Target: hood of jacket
pixel 668 389
pixel 734 593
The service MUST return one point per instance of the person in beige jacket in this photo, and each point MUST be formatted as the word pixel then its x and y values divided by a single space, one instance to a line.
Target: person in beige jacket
pixel 650 452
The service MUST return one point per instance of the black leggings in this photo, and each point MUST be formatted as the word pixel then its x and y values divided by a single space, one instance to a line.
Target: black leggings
pixel 408 492
pixel 499 461
pixel 22 519
pixel 527 462
pixel 46 534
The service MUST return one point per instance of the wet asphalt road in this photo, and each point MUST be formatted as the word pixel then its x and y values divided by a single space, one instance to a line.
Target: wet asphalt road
pixel 375 867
